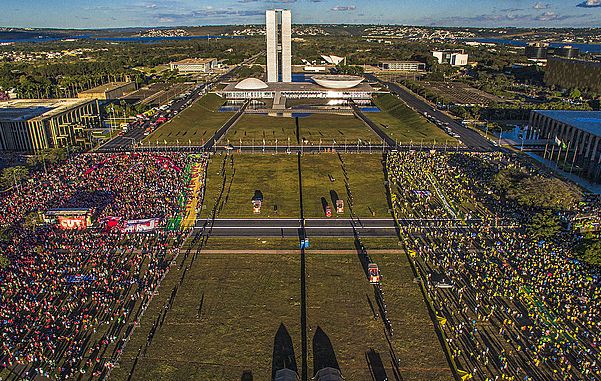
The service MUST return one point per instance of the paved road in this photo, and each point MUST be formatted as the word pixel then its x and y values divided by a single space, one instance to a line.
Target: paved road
pixel 374 127
pixel 326 227
pixel 289 227
pixel 126 142
pixel 223 130
pixel 470 138
pixel 136 134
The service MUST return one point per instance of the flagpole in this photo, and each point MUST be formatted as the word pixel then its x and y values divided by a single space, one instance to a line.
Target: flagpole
pixel 565 159
pixel 546 146
pixel 574 158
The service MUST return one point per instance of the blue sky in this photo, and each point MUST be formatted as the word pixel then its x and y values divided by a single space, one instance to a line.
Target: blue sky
pixel 124 13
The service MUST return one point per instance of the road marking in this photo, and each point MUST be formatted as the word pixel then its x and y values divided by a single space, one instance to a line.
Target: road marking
pixel 295 227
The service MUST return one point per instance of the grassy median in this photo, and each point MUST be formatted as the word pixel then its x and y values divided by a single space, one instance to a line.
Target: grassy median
pixel 275 177
pixel 324 182
pixel 223 320
pixel 327 128
pixel 229 310
pixel 194 125
pixel 405 125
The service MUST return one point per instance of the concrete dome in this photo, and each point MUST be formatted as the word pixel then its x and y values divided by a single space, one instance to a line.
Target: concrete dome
pixel 251 84
pixel 337 81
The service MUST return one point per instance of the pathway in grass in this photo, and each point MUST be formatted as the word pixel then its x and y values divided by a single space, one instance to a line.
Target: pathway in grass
pixel 275 177
pixel 405 125
pixel 195 125
pixel 340 317
pixel 223 320
pixel 324 183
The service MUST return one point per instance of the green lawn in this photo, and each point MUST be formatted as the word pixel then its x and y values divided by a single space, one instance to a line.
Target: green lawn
pixel 243 243
pixel 246 299
pixel 339 311
pixel 259 128
pixel 365 181
pixel 339 128
pixel 289 243
pixel 196 124
pixel 275 176
pixel 405 125
pixel 228 309
pixel 253 128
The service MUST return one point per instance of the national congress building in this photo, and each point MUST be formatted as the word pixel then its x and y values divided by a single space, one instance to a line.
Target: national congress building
pixel 280 86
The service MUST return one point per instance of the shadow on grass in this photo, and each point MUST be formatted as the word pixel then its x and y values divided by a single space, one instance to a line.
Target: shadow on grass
pixel 323 352
pixel 247 375
pixel 283 352
pixel 376 367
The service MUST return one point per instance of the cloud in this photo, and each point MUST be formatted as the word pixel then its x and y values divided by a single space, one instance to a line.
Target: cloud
pixel 207 13
pixel 343 8
pixel 590 4
pixel 511 19
pixel 550 16
pixel 539 5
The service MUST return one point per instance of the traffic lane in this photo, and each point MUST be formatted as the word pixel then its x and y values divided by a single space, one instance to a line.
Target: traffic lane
pixel 469 137
pixel 261 231
pixel 350 232
pixel 250 223
pixel 338 223
pixel 279 227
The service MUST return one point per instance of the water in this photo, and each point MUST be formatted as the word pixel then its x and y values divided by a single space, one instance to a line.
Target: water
pixel 300 77
pixel 370 109
pixel 285 114
pixel 229 109
pixel 17 37
pixel 588 48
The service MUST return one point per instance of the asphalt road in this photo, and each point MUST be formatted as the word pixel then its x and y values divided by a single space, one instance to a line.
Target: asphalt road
pixel 473 140
pixel 289 227
pixel 136 134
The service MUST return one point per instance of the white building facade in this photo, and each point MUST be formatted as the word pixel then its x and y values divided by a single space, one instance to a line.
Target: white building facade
pixel 454 58
pixel 279 45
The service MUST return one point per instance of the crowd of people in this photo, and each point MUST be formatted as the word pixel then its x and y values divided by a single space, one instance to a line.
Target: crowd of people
pixel 69 299
pixel 510 307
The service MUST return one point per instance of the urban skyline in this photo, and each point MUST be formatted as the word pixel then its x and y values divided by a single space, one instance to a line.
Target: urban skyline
pixel 485 13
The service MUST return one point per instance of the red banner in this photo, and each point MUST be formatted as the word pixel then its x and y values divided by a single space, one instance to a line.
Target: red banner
pixel 72 223
pixel 138 226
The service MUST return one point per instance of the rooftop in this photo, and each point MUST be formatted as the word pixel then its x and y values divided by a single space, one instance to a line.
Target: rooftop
pixel 576 60
pixel 404 62
pixel 105 88
pixel 16 110
pixel 298 86
pixel 589 121
pixel 194 61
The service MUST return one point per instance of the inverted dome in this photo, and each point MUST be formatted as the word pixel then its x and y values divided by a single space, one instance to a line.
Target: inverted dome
pixel 251 84
pixel 331 59
pixel 337 81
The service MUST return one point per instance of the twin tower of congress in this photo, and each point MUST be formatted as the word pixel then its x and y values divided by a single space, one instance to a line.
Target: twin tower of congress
pixel 279 45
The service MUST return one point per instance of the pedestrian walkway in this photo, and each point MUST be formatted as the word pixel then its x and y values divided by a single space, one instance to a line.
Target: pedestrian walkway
pixel 196 193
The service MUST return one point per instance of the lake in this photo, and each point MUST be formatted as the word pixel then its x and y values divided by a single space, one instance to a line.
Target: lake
pixel 6 37
pixel 589 48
